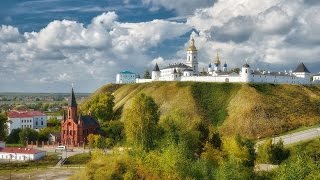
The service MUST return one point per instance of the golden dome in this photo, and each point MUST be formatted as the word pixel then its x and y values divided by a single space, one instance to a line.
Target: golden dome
pixel 192 47
pixel 217 60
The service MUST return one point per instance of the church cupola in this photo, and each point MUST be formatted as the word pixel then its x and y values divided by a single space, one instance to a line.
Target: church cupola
pixel 217 63
pixel 225 67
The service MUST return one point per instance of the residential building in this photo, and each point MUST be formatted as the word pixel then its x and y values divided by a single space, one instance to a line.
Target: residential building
pixel 19 154
pixel 26 119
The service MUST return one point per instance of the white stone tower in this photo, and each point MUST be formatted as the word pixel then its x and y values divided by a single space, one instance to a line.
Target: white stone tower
pixel 192 58
pixel 245 72
pixel 156 73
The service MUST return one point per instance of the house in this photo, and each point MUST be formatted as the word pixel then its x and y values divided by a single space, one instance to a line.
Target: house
pixel 54 138
pixel 75 127
pixel 19 154
pixel 26 119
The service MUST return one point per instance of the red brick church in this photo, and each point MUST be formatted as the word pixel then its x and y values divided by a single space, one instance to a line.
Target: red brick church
pixel 75 127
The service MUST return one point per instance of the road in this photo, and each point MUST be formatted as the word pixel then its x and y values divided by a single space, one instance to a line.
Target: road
pixel 296 137
pixel 66 153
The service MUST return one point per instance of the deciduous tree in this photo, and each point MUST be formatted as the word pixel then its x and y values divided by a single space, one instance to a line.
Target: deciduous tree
pixel 141 122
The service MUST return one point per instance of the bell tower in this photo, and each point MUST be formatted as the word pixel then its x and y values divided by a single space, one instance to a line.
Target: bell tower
pixel 72 107
pixel 192 58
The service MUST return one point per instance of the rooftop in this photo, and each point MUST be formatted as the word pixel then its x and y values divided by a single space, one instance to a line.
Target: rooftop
pixel 301 68
pixel 126 72
pixel 24 114
pixel 19 150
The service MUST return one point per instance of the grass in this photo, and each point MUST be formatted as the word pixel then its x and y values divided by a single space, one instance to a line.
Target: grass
pixel 15 145
pixel 212 100
pixel 251 110
pixel 78 159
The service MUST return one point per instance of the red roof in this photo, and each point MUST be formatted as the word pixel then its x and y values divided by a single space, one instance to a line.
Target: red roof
pixel 24 114
pixel 19 150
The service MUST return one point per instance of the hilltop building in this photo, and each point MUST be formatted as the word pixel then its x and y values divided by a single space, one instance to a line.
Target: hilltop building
pixel 126 77
pixel 75 127
pixel 217 72
pixel 26 119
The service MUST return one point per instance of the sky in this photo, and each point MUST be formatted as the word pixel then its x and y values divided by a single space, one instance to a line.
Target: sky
pixel 47 45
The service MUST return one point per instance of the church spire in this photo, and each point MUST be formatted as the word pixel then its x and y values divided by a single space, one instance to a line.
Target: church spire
pixel 72 100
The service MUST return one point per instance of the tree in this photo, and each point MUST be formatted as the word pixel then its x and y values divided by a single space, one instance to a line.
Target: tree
pixel 99 142
pixel 28 134
pixel 272 153
pixel 299 167
pixel 114 130
pixel 141 122
pixel 91 140
pixel 14 137
pixel 3 126
pixel 100 106
pixel 147 74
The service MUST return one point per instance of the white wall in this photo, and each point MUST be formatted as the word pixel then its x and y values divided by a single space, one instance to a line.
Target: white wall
pixel 21 156
pixel 125 78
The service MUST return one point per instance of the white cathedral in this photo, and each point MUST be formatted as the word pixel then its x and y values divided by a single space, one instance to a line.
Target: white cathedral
pixel 217 73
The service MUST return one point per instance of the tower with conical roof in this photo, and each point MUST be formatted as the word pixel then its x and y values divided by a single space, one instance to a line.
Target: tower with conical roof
pixel 192 57
pixel 156 73
pixel 72 106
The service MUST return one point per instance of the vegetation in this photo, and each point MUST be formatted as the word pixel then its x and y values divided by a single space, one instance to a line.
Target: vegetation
pixel 188 130
pixel 147 74
pixel 78 159
pixel 3 127
pixel 272 153
pixel 100 106
pixel 140 120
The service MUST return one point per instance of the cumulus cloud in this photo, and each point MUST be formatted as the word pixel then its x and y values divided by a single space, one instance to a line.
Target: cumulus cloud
pixel 182 7
pixel 68 51
pixel 275 31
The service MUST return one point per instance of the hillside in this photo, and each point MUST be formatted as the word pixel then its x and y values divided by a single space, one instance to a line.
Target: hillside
pixel 252 110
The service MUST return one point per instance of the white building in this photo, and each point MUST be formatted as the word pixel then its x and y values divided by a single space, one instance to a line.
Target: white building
pixel 20 154
pixel 217 73
pixel 316 78
pixel 126 77
pixel 26 119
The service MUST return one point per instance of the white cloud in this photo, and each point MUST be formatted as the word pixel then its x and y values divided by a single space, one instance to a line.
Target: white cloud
pixel 68 51
pixel 180 6
pixel 273 31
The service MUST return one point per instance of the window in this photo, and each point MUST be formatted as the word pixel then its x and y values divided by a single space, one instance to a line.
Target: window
pixel 246 71
pixel 41 123
pixel 36 123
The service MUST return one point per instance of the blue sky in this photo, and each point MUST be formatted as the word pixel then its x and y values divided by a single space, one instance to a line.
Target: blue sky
pixel 46 45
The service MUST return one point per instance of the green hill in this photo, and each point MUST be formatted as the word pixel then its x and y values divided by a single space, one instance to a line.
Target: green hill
pixel 251 110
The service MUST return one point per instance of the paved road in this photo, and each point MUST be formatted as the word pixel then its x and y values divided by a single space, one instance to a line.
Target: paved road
pixel 64 153
pixel 296 137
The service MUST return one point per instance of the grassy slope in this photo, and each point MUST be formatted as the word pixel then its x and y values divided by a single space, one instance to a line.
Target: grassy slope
pixel 252 110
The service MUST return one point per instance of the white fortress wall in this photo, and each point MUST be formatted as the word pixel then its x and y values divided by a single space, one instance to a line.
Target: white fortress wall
pixel 143 80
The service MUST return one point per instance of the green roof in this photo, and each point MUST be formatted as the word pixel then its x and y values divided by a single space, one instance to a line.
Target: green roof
pixel 126 72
